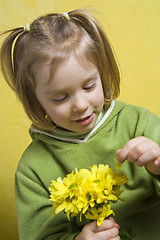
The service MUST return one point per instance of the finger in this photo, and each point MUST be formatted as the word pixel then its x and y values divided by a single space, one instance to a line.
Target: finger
pixel 117 226
pixel 119 156
pixel 143 152
pixel 122 154
pixel 150 155
pixel 108 234
pixel 139 151
pixel 116 238
pixel 157 162
pixel 107 224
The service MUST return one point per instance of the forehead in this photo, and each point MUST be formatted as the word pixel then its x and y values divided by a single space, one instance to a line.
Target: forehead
pixel 54 68
pixel 73 66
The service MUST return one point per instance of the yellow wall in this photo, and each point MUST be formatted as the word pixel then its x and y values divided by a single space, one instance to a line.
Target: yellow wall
pixel 133 27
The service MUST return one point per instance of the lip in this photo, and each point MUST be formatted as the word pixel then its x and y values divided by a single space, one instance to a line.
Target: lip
pixel 84 121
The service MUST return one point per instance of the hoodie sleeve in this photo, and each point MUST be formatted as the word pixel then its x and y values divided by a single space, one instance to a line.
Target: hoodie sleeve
pixel 141 122
pixel 35 212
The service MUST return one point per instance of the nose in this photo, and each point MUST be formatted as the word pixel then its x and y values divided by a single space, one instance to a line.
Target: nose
pixel 80 103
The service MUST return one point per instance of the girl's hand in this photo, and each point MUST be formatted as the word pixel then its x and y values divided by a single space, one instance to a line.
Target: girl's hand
pixel 107 231
pixel 143 152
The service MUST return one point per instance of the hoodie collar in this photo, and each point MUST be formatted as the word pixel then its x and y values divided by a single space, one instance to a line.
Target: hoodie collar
pixel 76 138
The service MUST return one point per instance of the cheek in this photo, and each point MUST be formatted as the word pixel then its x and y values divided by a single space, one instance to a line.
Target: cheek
pixel 58 114
pixel 99 96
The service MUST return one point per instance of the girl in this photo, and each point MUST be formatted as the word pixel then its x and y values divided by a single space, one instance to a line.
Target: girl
pixel 64 72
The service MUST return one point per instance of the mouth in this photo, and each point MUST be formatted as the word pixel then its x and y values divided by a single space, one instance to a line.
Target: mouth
pixel 85 120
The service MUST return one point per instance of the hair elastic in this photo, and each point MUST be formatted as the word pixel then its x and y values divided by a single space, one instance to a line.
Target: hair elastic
pixel 66 15
pixel 27 27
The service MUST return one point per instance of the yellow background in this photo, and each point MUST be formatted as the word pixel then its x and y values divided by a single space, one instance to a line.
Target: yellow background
pixel 133 27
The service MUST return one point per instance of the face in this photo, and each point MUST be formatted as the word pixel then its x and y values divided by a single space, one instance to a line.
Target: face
pixel 74 97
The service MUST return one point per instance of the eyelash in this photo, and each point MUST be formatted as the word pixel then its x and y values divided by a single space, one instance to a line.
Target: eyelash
pixel 64 98
pixel 61 99
pixel 90 87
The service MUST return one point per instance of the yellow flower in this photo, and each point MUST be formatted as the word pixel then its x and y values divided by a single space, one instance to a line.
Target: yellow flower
pixel 63 194
pixel 86 197
pixel 87 193
pixel 99 214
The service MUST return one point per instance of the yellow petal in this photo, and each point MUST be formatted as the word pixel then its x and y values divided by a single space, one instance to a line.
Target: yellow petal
pixel 99 221
pixel 118 165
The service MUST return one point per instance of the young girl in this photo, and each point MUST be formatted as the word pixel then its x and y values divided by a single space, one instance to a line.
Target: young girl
pixel 63 70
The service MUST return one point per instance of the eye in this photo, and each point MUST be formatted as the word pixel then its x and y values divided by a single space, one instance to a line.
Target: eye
pixel 60 99
pixel 90 86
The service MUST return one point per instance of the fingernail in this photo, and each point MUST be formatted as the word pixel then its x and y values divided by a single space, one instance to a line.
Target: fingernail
pixel 157 163
pixel 116 225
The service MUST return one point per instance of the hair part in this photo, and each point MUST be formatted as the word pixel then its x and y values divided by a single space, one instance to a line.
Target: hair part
pixel 52 38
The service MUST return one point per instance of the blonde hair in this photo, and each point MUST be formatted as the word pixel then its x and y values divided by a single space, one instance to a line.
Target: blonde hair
pixel 54 37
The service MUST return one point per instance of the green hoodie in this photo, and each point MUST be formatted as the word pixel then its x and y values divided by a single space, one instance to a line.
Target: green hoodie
pixel 49 157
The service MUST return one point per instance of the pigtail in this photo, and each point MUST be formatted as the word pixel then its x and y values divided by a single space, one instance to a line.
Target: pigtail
pixel 6 56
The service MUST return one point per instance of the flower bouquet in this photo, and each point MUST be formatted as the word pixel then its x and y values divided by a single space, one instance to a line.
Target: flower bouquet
pixel 88 193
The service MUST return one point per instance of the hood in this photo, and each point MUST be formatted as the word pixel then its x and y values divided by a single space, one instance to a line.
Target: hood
pixel 47 136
